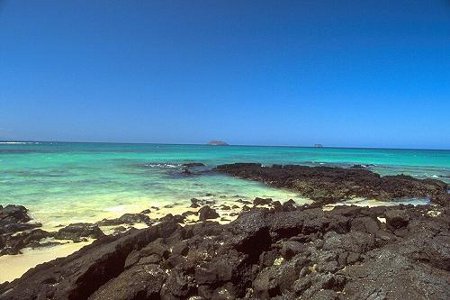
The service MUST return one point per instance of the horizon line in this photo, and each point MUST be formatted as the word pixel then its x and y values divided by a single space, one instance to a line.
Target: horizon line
pixel 228 145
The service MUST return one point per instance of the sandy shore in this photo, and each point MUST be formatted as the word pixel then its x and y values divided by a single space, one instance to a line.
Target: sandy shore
pixel 14 266
pixel 17 265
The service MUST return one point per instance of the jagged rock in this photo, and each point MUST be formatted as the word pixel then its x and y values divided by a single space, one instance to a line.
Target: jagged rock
pixel 175 218
pixel 77 231
pixel 246 202
pixel 291 248
pixel 12 244
pixel 127 219
pixel 15 218
pixel 366 224
pixel 397 218
pixel 289 205
pixel 262 201
pixel 17 230
pixel 13 214
pixel 206 213
pixel 303 253
pixel 195 203
pixel 140 282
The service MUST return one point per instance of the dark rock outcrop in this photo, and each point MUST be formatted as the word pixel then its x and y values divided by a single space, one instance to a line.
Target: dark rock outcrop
pixel 77 231
pixel 12 244
pixel 262 201
pixel 15 218
pixel 396 218
pixel 201 202
pixel 330 185
pixel 17 230
pixel 206 213
pixel 129 219
pixel 305 253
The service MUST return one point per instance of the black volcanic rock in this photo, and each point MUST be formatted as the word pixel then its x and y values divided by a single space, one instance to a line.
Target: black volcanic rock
pixel 304 253
pixel 262 201
pixel 77 231
pixel 12 244
pixel 330 185
pixel 396 218
pixel 13 213
pixel 17 230
pixel 127 219
pixel 206 213
pixel 195 203
pixel 15 218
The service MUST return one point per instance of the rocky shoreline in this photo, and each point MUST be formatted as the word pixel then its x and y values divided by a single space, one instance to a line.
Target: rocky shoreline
pixel 331 184
pixel 272 250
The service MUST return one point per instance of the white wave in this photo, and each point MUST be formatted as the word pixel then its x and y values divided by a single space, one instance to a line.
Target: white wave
pixel 18 143
pixel 13 143
pixel 162 165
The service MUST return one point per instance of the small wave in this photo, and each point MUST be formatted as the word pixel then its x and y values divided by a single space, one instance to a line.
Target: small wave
pixel 13 143
pixel 161 165
pixel 19 143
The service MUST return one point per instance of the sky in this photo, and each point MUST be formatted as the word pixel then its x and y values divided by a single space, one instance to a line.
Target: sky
pixel 339 73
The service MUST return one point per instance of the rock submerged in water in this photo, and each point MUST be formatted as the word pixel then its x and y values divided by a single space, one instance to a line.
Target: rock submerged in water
pixel 193 165
pixel 301 253
pixel 191 169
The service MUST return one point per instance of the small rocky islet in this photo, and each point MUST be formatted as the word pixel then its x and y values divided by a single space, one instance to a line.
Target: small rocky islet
pixel 272 250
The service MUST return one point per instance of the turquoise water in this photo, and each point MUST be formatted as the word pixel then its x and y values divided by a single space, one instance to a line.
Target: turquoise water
pixel 67 182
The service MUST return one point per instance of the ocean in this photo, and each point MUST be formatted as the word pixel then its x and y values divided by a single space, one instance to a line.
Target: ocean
pixel 62 183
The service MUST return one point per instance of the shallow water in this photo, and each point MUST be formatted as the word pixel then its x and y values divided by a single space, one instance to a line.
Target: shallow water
pixel 70 182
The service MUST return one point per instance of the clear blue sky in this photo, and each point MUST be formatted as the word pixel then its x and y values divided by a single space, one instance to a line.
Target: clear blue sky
pixel 341 73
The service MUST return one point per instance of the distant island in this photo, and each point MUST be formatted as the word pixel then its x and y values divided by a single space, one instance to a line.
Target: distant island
pixel 218 143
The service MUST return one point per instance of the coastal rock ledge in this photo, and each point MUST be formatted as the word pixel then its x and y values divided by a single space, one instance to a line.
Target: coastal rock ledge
pixel 280 253
pixel 327 185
